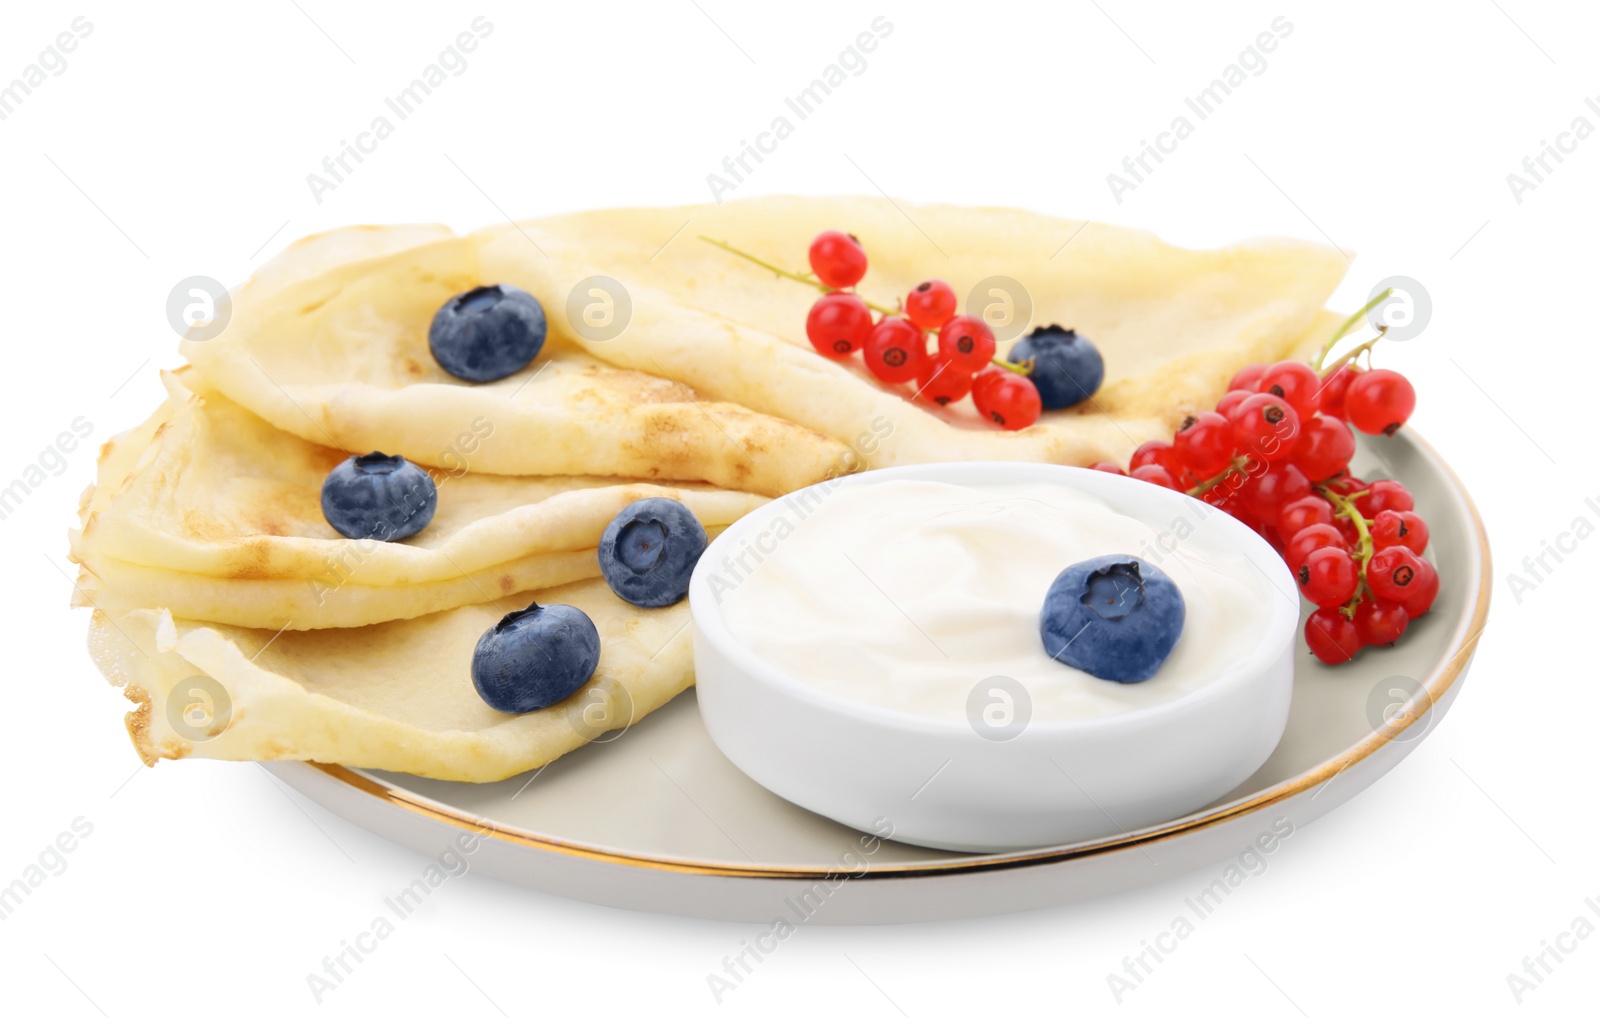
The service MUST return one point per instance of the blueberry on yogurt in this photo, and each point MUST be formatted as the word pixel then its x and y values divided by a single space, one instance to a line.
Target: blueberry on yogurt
pixel 386 498
pixel 1067 369
pixel 535 657
pixel 1116 617
pixel 487 333
pixel 648 551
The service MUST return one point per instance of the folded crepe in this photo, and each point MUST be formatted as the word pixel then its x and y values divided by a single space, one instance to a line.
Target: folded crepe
pixel 329 342
pixel 340 345
pixel 396 696
pixel 212 513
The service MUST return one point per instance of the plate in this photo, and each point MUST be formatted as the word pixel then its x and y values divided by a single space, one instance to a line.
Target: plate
pixel 655 818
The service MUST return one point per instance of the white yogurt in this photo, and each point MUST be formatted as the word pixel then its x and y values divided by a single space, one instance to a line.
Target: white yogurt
pixel 907 594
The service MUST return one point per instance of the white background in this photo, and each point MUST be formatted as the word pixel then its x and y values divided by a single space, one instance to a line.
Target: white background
pixel 178 143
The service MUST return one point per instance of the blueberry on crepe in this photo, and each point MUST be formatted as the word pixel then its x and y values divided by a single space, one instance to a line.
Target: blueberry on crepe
pixel 1067 369
pixel 487 333
pixel 386 498
pixel 649 550
pixel 535 657
pixel 1116 617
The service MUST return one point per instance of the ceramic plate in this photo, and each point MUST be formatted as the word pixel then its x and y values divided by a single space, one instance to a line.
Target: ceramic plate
pixel 655 818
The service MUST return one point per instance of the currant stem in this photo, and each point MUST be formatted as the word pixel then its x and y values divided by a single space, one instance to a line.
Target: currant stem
pixel 1023 368
pixel 1240 464
pixel 1355 352
pixel 786 274
pixel 1346 507
pixel 1344 330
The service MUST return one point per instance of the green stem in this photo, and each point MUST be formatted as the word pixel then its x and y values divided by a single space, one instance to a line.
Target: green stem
pixel 786 274
pixel 1350 357
pixel 1240 464
pixel 1345 506
pixel 1349 323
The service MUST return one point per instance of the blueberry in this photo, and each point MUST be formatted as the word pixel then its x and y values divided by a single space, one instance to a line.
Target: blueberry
pixel 648 551
pixel 487 333
pixel 535 657
pixel 1116 617
pixel 378 496
pixel 1067 368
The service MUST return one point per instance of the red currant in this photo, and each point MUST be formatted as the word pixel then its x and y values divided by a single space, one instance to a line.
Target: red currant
pixel 1231 400
pixel 1380 622
pixel 1155 475
pixel 1302 512
pixel 1379 402
pixel 1423 590
pixel 942 382
pixel 986 379
pixel 1157 452
pixel 1268 490
pixel 931 304
pixel 838 324
pixel 1247 377
pixel 1328 577
pixel 838 259
pixel 1391 527
pixel 1332 637
pixel 1293 382
pixel 1392 571
pixel 1267 426
pixel 1381 495
pixel 967 341
pixel 1309 539
pixel 895 349
pixel 1205 443
pixel 1347 527
pixel 1325 447
pixel 1331 400
pixel 1108 467
pixel 1010 400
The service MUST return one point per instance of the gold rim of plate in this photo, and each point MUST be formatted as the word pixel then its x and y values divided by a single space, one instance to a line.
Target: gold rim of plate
pixel 1438 684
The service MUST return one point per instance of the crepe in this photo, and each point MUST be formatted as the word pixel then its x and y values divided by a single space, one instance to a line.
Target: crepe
pixel 396 696
pixel 1173 324
pixel 207 510
pixel 329 342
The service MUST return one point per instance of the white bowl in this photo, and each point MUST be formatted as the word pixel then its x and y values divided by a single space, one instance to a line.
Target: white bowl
pixel 937 781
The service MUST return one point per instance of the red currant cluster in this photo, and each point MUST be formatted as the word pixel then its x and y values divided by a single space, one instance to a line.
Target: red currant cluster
pixel 895 345
pixel 1275 453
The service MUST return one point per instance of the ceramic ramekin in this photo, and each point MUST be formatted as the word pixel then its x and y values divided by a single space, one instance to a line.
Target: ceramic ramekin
pixel 941 782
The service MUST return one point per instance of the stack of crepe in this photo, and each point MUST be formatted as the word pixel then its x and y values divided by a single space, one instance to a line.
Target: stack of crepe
pixel 205 556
